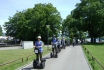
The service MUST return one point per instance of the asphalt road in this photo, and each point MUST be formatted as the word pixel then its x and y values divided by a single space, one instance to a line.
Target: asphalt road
pixel 71 58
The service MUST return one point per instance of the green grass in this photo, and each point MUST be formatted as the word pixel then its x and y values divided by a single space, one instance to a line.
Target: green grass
pixel 9 55
pixel 97 50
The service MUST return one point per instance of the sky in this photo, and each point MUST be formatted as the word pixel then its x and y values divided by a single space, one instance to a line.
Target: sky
pixel 9 7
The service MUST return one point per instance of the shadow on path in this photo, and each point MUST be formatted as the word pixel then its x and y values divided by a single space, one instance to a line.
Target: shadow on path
pixel 47 57
pixel 31 68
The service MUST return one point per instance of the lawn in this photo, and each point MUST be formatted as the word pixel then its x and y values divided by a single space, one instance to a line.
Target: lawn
pixel 97 50
pixel 9 55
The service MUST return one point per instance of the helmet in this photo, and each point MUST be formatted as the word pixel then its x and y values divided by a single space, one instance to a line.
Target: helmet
pixel 39 37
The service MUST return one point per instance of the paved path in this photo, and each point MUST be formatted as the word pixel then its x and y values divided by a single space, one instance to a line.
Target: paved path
pixel 71 58
pixel 10 48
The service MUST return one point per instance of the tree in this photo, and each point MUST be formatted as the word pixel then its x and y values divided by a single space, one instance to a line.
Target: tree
pixel 30 23
pixel 0 30
pixel 91 12
pixel 71 26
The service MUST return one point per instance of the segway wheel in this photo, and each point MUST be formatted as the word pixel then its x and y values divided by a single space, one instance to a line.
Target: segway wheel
pixel 64 47
pixel 42 65
pixel 60 49
pixel 35 64
pixel 56 55
pixel 51 55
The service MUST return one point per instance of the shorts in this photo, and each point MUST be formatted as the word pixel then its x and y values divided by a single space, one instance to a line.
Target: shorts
pixel 40 50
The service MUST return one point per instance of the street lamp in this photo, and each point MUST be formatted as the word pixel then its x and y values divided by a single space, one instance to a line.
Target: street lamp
pixel 48 37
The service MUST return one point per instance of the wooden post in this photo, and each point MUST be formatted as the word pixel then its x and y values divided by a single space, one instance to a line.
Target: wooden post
pixel 22 60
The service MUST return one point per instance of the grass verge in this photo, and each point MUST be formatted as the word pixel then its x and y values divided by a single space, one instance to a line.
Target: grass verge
pixel 9 55
pixel 97 50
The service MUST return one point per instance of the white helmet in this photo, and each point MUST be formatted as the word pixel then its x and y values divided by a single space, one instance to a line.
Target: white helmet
pixel 39 37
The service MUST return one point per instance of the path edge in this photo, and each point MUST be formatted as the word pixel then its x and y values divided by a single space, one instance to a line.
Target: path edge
pixel 86 59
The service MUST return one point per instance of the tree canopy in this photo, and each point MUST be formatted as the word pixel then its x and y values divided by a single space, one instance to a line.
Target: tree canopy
pixel 0 30
pixel 88 17
pixel 30 23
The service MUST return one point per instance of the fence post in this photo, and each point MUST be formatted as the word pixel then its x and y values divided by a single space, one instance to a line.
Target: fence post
pixel 92 58
pixel 22 60
pixel 85 48
pixel 87 51
pixel 27 58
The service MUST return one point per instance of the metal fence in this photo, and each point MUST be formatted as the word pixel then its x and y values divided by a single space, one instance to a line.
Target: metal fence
pixel 96 65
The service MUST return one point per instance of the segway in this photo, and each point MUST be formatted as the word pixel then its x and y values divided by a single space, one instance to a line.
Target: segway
pixel 59 48
pixel 52 54
pixel 68 43
pixel 63 45
pixel 36 63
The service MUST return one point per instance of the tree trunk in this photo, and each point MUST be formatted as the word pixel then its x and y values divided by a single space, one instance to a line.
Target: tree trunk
pixel 99 38
pixel 91 39
pixel 94 39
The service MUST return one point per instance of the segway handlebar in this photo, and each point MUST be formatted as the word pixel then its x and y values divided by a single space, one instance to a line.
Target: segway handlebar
pixel 38 47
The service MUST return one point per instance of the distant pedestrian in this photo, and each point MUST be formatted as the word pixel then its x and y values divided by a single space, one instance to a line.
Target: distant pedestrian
pixel 73 42
pixel 68 41
pixel 81 41
pixel 21 43
pixel 15 41
pixel 63 42
pixel 58 44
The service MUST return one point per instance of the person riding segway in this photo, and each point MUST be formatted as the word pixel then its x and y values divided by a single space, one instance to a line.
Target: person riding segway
pixel 73 42
pixel 58 44
pixel 39 64
pixel 63 42
pixel 68 41
pixel 54 48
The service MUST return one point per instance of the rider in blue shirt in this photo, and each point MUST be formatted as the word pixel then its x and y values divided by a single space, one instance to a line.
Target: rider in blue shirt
pixel 68 41
pixel 54 45
pixel 39 45
pixel 63 41
pixel 59 44
pixel 54 40
pixel 58 41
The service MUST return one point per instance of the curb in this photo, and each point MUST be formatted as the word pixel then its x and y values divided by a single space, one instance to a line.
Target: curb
pixel 86 59
pixel 20 68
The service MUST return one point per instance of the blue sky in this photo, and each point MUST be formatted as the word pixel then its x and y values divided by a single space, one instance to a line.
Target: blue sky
pixel 9 7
